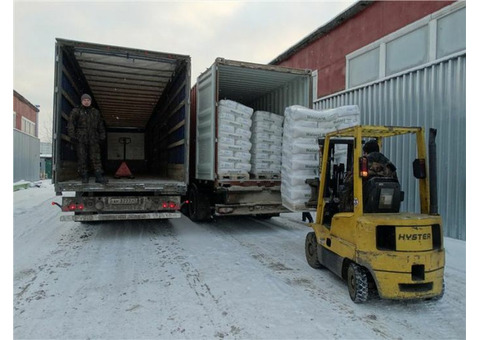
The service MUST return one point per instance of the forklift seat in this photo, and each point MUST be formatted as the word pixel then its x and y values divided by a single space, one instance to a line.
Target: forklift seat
pixel 382 195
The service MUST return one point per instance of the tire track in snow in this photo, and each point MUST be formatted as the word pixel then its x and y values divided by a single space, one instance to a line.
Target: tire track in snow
pixel 322 285
pixel 215 311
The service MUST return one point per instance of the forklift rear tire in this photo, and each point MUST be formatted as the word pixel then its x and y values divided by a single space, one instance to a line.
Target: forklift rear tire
pixel 311 251
pixel 199 207
pixel 357 281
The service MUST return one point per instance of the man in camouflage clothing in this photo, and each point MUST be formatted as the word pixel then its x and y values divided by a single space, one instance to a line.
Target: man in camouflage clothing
pixel 86 130
pixel 378 166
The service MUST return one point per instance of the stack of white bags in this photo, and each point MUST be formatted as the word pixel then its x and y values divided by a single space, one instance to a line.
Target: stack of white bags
pixel 234 124
pixel 266 141
pixel 300 151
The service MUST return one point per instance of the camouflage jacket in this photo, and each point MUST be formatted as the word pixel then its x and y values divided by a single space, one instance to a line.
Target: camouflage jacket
pixel 380 166
pixel 86 125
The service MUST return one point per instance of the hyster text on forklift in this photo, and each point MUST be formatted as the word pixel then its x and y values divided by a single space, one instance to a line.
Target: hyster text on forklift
pixel 376 247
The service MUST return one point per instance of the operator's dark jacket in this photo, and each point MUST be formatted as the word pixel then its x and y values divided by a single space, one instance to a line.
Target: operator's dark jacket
pixel 86 128
pixel 380 166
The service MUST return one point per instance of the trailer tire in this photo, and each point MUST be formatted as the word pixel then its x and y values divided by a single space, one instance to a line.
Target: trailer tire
pixel 185 209
pixel 311 251
pixel 357 281
pixel 199 206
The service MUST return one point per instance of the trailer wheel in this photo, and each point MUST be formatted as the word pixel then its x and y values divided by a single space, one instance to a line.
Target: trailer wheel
pixel 185 210
pixel 311 251
pixel 357 281
pixel 199 207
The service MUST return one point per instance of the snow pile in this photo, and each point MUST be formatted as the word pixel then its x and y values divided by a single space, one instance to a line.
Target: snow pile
pixel 22 185
pixel 234 123
pixel 266 144
pixel 300 152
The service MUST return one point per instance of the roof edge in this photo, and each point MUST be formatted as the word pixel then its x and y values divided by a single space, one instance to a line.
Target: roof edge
pixel 323 30
pixel 25 100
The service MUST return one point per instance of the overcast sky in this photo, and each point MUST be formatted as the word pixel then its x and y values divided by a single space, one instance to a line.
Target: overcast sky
pixel 254 31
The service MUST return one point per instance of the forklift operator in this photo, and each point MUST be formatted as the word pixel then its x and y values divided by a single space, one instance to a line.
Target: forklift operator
pixel 378 166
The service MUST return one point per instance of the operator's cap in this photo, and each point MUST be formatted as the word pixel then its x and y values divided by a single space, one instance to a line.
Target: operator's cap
pixel 371 146
pixel 86 96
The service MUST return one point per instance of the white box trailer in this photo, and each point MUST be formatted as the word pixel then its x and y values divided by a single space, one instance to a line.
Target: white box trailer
pixel 144 98
pixel 260 87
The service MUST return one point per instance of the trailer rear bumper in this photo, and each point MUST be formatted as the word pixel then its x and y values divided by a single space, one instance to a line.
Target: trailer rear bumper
pixel 120 217
pixel 249 209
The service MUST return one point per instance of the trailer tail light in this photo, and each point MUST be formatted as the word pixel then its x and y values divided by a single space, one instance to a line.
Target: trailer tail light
pixel 169 205
pixel 75 207
pixel 363 167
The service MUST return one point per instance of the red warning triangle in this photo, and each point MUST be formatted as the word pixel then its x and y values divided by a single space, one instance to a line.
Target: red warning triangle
pixel 123 171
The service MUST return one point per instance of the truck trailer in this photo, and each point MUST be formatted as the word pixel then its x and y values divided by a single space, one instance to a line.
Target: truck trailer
pixel 260 87
pixel 144 98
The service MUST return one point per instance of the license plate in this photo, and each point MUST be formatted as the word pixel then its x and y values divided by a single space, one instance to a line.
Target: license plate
pixel 414 238
pixel 123 200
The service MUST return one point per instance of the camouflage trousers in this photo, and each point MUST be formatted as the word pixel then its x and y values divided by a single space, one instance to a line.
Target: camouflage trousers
pixel 84 153
pixel 346 195
pixel 346 200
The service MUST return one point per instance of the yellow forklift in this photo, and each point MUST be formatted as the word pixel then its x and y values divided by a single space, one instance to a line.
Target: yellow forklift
pixel 373 246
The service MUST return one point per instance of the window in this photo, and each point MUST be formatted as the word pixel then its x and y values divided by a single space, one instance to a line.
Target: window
pixel 364 68
pixel 436 36
pixel 14 120
pixel 451 33
pixel 407 51
pixel 28 126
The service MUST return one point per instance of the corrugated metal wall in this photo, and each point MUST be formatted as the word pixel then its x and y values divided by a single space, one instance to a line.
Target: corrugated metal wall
pixel 433 96
pixel 26 157
pixel 296 93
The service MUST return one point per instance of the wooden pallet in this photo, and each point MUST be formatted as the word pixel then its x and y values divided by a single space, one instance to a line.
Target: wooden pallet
pixel 233 177
pixel 265 176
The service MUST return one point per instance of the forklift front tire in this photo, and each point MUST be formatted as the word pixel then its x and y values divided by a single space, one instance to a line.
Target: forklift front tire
pixel 311 251
pixel 357 281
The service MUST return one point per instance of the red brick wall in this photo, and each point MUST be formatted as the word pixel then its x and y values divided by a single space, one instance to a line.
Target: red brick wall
pixel 23 108
pixel 327 54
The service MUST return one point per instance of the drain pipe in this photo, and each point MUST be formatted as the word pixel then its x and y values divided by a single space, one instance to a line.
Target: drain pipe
pixel 432 165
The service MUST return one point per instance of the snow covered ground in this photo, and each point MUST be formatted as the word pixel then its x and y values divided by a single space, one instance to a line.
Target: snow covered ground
pixel 235 278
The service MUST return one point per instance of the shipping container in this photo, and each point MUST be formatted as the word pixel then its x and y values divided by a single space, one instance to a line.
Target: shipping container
pixel 256 86
pixel 144 98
